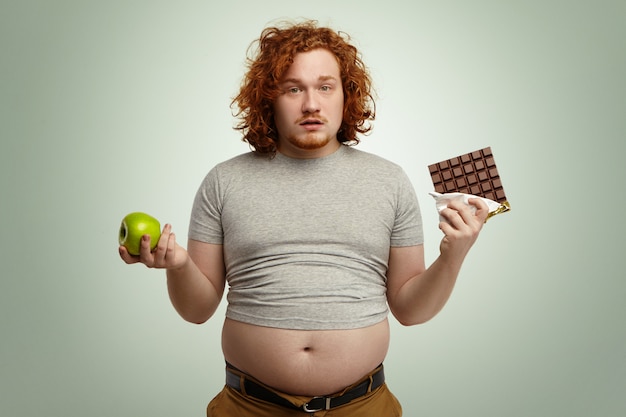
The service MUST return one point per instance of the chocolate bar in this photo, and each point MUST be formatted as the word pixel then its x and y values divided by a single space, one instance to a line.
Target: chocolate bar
pixel 473 173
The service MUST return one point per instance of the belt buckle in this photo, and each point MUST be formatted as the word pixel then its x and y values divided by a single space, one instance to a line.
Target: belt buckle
pixel 306 406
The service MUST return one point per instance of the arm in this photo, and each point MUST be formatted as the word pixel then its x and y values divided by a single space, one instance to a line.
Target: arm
pixel 416 294
pixel 195 277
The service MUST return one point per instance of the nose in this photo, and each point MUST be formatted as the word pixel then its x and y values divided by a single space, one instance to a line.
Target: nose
pixel 310 102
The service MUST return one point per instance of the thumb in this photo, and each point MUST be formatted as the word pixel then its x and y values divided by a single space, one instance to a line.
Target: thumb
pixel 482 210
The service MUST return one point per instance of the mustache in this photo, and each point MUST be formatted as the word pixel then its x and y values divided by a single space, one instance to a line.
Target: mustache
pixel 311 117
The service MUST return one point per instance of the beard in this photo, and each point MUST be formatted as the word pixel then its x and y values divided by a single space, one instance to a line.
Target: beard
pixel 310 140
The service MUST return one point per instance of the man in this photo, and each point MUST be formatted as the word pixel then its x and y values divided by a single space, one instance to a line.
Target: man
pixel 316 239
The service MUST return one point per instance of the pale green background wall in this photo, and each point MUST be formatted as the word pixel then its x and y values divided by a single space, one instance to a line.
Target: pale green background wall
pixel 115 106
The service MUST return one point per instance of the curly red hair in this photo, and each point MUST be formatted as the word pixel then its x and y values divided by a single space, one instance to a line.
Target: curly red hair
pixel 275 52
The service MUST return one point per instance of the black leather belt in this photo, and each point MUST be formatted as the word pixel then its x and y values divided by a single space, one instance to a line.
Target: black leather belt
pixel 257 391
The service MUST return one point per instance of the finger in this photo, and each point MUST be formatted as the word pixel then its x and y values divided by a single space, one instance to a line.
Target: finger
pixel 145 253
pixel 160 251
pixel 171 247
pixel 475 211
pixel 453 217
pixel 468 215
pixel 446 228
pixel 482 210
pixel 127 257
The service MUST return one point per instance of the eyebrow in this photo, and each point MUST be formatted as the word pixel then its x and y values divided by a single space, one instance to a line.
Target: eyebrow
pixel 320 78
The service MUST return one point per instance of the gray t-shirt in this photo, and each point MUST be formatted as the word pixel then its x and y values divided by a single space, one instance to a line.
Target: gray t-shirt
pixel 306 241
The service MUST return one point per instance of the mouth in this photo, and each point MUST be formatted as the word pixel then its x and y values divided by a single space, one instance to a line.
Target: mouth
pixel 311 122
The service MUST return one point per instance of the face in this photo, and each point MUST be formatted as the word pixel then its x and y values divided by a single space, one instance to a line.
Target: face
pixel 309 111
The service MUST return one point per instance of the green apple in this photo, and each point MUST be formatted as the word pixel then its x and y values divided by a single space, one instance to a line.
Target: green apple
pixel 134 226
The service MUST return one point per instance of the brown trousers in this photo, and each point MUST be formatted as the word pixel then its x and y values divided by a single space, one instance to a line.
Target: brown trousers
pixel 232 403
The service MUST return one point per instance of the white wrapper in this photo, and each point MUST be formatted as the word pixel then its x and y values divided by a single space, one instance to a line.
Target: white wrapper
pixel 442 201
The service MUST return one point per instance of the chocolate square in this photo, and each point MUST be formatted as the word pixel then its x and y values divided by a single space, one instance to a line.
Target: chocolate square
pixel 472 173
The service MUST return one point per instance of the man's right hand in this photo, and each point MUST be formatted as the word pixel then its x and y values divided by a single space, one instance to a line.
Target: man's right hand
pixel 167 255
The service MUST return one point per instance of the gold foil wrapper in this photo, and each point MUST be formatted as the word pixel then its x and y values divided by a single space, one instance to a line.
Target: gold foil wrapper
pixel 504 207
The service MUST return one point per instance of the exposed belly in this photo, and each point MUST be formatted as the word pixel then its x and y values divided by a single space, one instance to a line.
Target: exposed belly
pixel 299 362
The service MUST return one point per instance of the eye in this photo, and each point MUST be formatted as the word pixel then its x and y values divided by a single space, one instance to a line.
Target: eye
pixel 293 90
pixel 325 88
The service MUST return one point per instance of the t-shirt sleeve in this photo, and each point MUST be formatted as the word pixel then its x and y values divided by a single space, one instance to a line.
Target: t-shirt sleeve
pixel 408 230
pixel 205 224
